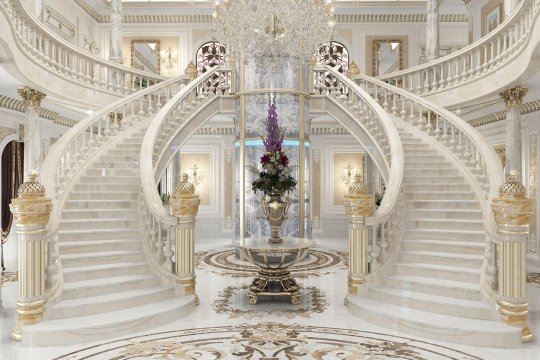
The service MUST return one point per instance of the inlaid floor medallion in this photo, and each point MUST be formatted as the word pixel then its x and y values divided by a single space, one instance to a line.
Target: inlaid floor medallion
pixel 6 277
pixel 224 262
pixel 269 341
pixel 233 301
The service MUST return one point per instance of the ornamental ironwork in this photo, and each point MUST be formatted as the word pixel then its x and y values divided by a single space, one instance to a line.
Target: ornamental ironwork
pixel 209 55
pixel 335 55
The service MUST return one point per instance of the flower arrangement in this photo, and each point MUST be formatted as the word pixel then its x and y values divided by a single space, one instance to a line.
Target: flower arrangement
pixel 275 177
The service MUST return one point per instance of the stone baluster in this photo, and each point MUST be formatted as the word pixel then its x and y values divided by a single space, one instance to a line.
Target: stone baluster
pixel 513 99
pixel 185 205
pixel 359 203
pixel 32 144
pixel 31 211
pixel 513 213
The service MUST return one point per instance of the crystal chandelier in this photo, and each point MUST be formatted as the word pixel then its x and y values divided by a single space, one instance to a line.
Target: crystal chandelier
pixel 273 28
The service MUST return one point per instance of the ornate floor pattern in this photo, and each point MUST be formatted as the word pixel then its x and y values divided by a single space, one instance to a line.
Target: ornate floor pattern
pixel 233 301
pixel 224 262
pixel 269 341
pixel 6 277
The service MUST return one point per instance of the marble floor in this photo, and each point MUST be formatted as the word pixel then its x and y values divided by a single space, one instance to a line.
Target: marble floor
pixel 225 326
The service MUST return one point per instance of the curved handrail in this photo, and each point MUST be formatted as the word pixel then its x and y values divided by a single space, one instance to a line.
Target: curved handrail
pixel 474 60
pixel 68 61
pixel 470 148
pixel 69 154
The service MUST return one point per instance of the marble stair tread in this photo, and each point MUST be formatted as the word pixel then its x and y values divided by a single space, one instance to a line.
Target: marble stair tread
pixel 442 223
pixel 98 254
pixel 443 213
pixel 445 255
pixel 108 281
pixel 111 324
pixel 98 214
pixel 99 267
pixel 95 231
pixel 452 232
pixel 426 242
pixel 435 326
pixel 101 221
pixel 435 282
pixel 445 268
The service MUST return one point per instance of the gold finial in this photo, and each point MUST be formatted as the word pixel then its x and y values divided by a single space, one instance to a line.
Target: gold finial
pixel 31 186
pixel 514 96
pixel 312 61
pixel 357 186
pixel 31 97
pixel 231 59
pixel 184 186
pixel 512 187
pixel 353 70
pixel 191 71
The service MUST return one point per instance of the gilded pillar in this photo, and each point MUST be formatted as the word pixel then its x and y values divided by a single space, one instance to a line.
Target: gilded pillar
pixel 513 213
pixel 432 30
pixel 32 140
pixel 359 204
pixel 117 37
pixel 513 99
pixel 31 211
pixel 185 205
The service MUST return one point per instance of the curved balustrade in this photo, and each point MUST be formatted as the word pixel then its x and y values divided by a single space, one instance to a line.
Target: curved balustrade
pixel 173 125
pixel 68 156
pixel 475 61
pixel 69 62
pixel 385 224
pixel 470 150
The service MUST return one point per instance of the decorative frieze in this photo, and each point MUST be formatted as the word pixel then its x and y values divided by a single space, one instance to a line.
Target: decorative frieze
pixel 59 24
pixel 19 106
pixel 90 45
pixel 514 96
pixel 526 108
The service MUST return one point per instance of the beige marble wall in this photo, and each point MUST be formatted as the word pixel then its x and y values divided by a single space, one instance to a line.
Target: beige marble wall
pixel 341 161
pixel 204 165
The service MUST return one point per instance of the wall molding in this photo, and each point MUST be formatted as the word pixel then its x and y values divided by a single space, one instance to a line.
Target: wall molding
pixel 526 108
pixel 18 105
pixel 60 24
pixel 6 131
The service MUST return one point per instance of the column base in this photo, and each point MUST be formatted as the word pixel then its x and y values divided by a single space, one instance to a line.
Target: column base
pixel 27 313
pixel 516 315
pixel 188 285
pixel 354 284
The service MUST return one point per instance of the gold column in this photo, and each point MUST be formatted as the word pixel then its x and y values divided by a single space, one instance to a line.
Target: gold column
pixel 359 203
pixel 185 205
pixel 31 211
pixel 513 213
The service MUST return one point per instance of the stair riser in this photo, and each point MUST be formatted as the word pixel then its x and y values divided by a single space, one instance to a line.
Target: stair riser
pixel 411 146
pixel 113 305
pixel 453 215
pixel 81 275
pixel 430 172
pixel 438 274
pixel 431 306
pixel 67 248
pixel 103 196
pixel 438 187
pixel 126 152
pixel 107 187
pixel 446 247
pixel 419 153
pixel 110 179
pixel 102 235
pixel 104 289
pixel 440 196
pixel 422 157
pixel 134 159
pixel 113 172
pixel 438 260
pixel 450 225
pixel 134 140
pixel 433 180
pixel 421 204
pixel 81 204
pixel 99 215
pixel 114 165
pixel 104 259
pixel 128 146
pixel 443 235
pixel 452 292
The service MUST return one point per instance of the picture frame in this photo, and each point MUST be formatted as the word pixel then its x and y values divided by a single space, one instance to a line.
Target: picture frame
pixel 492 16
pixel 493 19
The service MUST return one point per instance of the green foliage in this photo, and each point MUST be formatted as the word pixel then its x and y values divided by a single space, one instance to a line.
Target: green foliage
pixel 165 198
pixel 378 199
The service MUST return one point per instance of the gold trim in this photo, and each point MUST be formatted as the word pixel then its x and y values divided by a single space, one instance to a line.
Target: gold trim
pixel 158 52
pixel 375 46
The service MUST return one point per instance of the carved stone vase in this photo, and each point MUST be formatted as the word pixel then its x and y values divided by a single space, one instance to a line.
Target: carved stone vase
pixel 275 212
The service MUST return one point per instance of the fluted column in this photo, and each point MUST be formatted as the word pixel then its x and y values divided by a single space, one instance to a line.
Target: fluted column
pixel 115 51
pixel 510 6
pixel 31 211
pixel 185 205
pixel 513 213
pixel 432 30
pixel 358 205
pixel 32 137
pixel 513 99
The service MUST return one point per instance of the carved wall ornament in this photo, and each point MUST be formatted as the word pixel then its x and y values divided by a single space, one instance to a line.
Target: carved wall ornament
pixel 21 133
pixel 514 96
pixel 6 131
pixel 31 97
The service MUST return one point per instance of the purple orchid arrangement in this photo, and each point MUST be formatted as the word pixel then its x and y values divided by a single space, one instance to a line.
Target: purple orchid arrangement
pixel 275 177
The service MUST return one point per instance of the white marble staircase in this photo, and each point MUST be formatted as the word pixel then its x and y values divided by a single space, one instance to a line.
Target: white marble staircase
pixel 433 289
pixel 109 289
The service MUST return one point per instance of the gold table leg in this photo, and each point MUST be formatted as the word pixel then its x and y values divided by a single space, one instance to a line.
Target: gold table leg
pixel 274 282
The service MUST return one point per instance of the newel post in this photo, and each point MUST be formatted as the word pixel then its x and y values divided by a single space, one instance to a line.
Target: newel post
pixel 31 212
pixel 513 214
pixel 359 204
pixel 185 205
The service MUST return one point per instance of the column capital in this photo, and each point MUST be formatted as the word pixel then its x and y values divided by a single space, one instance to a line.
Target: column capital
pixel 31 97
pixel 514 96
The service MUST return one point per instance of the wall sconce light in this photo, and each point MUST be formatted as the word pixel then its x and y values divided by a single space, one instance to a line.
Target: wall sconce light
pixel 194 175
pixel 347 174
pixel 168 59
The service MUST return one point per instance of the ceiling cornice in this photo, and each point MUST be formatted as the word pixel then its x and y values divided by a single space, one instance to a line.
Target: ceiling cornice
pixel 526 108
pixel 18 105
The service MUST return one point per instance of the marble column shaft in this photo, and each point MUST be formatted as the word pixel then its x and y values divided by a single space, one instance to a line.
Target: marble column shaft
pixel 32 144
pixel 432 30
pixel 513 99
pixel 115 51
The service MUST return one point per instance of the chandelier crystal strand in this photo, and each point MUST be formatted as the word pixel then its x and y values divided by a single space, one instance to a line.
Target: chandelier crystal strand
pixel 273 28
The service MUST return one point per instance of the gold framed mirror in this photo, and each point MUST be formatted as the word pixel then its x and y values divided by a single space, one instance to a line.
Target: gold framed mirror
pixel 387 56
pixel 145 55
